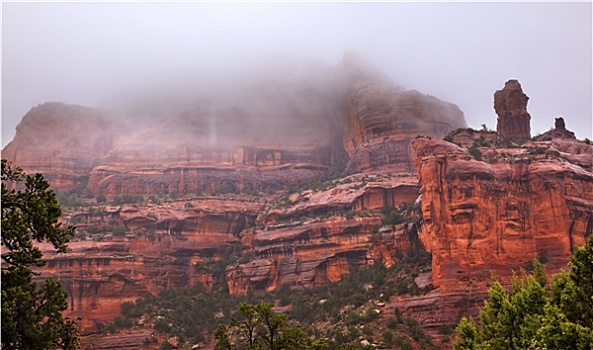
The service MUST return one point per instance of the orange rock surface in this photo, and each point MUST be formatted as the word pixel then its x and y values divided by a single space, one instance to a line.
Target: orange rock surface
pixel 494 216
pixel 301 244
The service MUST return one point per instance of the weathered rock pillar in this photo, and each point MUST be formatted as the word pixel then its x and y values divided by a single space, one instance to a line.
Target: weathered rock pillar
pixel 510 105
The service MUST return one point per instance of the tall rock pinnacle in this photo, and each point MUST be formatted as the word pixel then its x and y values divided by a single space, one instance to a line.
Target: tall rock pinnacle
pixel 510 105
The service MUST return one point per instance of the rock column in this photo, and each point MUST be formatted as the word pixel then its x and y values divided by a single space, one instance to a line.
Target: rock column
pixel 510 105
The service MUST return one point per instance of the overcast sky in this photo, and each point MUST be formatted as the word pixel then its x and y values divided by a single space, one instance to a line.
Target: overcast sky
pixel 83 53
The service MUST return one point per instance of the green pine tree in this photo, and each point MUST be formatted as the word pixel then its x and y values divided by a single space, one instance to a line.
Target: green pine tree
pixel 31 314
pixel 533 316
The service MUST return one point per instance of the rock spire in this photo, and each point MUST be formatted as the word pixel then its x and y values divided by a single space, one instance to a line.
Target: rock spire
pixel 510 105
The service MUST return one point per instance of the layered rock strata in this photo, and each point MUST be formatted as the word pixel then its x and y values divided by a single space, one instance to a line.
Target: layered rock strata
pixel 300 242
pixel 275 132
pixel 495 215
pixel 382 118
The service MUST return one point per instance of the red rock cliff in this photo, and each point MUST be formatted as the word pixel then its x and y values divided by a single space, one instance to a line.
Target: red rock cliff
pixel 495 215
pixel 281 130
pixel 383 117
pixel 64 142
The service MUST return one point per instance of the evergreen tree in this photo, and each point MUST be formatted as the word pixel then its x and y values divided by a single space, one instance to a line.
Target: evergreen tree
pixel 259 327
pixel 31 314
pixel 531 316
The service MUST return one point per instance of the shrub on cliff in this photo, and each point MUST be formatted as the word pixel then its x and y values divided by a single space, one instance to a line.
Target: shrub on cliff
pixel 475 152
pixel 31 314
pixel 101 198
pixel 533 316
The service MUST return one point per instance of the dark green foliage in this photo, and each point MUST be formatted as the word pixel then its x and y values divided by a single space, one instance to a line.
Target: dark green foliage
pixel 475 152
pixel 218 267
pixel 162 326
pixel 260 327
pixel 101 198
pixel 407 212
pixel 189 312
pixel 402 342
pixel 390 216
pixel 127 199
pixel 537 151
pixel 481 142
pixel 531 316
pixel 74 197
pixel 122 322
pixel 154 199
pixel 31 313
pixel 183 312
pixel 166 346
pixel 119 231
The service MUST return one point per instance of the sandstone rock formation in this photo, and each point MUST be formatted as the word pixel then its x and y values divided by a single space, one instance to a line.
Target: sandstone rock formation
pixel 496 215
pixel 274 132
pixel 510 104
pixel 300 244
pixel 558 132
pixel 159 250
pixel 251 173
pixel 383 117
pixel 64 142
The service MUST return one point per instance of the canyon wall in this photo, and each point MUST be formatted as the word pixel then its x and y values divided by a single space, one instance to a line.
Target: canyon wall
pixel 256 174
pixel 277 131
pixel 496 214
pixel 264 244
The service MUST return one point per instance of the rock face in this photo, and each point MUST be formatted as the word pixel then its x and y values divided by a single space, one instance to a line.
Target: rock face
pixel 64 142
pixel 233 155
pixel 510 104
pixel 300 244
pixel 382 119
pixel 157 247
pixel 496 215
pixel 278 131
pixel 252 170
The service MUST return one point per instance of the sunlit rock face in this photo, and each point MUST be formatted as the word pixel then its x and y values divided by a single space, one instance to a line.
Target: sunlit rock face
pixel 495 215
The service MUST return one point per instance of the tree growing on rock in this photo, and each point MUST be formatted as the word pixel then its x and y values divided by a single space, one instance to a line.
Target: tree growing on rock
pixel 31 313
